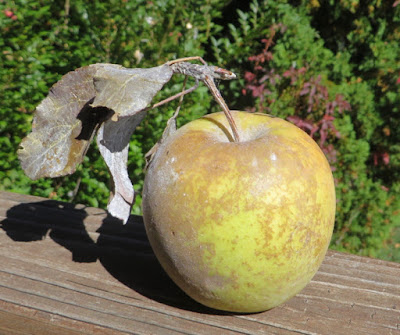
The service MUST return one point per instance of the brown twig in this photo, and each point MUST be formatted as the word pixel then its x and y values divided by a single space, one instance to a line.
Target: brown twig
pixel 206 74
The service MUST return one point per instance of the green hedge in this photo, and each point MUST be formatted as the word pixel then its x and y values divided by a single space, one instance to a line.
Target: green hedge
pixel 332 68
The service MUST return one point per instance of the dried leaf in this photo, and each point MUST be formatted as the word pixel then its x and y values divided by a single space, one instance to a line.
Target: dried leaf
pixel 68 118
pixel 127 91
pixel 63 126
pixel 113 141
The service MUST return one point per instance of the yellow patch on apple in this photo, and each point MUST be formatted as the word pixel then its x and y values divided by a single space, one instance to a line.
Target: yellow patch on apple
pixel 239 226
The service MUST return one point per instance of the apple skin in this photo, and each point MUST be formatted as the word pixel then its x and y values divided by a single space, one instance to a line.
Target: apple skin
pixel 239 226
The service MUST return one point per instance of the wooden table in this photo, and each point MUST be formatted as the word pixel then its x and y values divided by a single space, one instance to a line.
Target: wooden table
pixel 67 269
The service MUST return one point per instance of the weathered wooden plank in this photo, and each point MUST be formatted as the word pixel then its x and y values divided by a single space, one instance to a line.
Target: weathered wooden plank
pixel 74 268
pixel 9 323
pixel 21 320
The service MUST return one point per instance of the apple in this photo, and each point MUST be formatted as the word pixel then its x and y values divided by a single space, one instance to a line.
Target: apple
pixel 239 226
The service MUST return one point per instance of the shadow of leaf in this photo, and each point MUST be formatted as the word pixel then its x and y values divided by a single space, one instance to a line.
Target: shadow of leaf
pixel 61 221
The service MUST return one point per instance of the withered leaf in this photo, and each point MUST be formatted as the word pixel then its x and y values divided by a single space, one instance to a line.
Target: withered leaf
pixel 67 119
pixel 113 142
pixel 63 126
pixel 127 91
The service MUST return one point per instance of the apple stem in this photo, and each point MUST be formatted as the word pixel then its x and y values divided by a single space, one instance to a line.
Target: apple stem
pixel 218 97
pixel 206 74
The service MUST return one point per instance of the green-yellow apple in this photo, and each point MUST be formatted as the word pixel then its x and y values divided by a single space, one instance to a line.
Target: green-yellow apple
pixel 239 226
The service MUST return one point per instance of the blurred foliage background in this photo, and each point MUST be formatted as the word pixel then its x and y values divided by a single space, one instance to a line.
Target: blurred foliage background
pixel 330 67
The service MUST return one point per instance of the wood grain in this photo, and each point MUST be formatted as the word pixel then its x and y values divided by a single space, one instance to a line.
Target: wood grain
pixel 67 269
